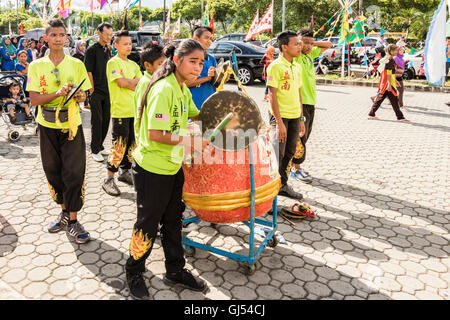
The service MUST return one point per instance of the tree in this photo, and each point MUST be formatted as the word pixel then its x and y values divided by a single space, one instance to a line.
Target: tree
pixel 29 21
pixel 223 10
pixel 405 18
pixel 421 24
pixel 190 11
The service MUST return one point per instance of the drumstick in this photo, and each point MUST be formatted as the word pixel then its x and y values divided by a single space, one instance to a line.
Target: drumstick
pixel 288 220
pixel 221 125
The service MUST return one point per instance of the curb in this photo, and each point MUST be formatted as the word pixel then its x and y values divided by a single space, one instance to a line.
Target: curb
pixel 409 87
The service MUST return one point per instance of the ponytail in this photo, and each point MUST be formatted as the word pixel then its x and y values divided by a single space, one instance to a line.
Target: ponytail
pixel 168 67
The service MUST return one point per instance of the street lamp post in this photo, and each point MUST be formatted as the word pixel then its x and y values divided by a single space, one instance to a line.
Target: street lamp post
pixel 164 17
pixel 284 15
pixel 17 16
pixel 140 14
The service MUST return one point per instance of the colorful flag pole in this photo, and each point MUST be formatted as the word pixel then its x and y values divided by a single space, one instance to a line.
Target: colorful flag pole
pixel 166 31
pixel 177 28
pixel 206 16
pixel 211 23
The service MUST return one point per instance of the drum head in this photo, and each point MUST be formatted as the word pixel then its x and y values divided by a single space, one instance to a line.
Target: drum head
pixel 244 126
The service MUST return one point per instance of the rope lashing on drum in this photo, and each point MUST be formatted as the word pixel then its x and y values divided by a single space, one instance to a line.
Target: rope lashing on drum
pixel 232 200
pixel 72 117
pixel 228 72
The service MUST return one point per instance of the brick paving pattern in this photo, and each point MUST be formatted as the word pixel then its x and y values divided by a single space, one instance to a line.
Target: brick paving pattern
pixel 380 191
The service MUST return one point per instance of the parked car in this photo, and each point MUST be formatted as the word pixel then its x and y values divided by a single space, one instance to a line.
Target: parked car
pixel 238 37
pixel 248 58
pixel 415 61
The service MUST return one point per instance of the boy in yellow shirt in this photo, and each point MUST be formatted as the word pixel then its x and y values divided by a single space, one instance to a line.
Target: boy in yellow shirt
pixel 123 76
pixel 61 139
pixel 284 82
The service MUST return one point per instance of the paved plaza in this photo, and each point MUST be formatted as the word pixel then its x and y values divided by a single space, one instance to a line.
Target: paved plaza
pixel 380 191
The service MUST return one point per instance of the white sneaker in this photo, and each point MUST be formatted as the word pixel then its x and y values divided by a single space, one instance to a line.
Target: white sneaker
pixel 97 157
pixel 105 152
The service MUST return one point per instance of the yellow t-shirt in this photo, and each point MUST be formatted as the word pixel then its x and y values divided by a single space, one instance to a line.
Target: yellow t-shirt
pixel 121 98
pixel 287 78
pixel 43 76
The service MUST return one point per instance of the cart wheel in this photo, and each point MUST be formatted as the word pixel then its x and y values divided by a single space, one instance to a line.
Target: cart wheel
pixel 273 242
pixel 250 269
pixel 189 251
pixel 13 135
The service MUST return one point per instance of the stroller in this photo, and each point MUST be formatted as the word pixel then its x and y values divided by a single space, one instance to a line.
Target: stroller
pixel 21 121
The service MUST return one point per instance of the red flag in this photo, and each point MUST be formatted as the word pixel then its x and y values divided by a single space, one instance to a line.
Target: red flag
pixel 252 30
pixel 21 28
pixel 266 22
pixel 211 23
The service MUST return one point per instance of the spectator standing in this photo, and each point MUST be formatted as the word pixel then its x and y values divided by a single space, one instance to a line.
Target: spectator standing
pixel 80 48
pixel 8 54
pixel 34 50
pixel 447 65
pixel 201 88
pixel 23 45
pixel 266 61
pixel 96 59
pixel 399 70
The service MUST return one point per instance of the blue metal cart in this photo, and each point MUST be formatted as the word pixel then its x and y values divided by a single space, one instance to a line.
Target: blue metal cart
pixel 250 259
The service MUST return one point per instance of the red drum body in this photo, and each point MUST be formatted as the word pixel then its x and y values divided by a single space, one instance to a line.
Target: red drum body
pixel 217 185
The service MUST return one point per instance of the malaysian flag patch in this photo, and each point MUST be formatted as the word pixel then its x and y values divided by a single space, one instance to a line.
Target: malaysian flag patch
pixel 161 117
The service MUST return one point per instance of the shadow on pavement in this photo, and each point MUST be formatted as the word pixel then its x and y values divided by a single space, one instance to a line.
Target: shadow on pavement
pixel 8 237
pixel 384 226
pixel 13 150
pixel 423 125
pixel 282 260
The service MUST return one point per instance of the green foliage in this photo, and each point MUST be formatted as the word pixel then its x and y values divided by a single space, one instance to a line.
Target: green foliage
pixel 28 19
pixel 410 16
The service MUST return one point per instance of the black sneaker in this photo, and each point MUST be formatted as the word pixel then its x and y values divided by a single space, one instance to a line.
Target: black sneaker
pixel 126 177
pixel 136 284
pixel 60 223
pixel 287 191
pixel 186 279
pixel 78 233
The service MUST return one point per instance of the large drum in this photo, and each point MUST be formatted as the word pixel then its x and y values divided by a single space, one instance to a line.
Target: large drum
pixel 217 183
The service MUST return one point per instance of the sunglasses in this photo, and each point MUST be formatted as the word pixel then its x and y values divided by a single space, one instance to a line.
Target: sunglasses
pixel 56 74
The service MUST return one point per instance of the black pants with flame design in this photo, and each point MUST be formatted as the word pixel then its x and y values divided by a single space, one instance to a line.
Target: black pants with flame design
pixel 123 144
pixel 158 202
pixel 64 164
pixel 300 152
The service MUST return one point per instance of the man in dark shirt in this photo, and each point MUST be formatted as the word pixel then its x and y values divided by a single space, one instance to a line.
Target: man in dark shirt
pixel 96 58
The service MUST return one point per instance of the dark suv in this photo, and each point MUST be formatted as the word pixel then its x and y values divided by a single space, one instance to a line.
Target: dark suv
pixel 238 37
pixel 138 39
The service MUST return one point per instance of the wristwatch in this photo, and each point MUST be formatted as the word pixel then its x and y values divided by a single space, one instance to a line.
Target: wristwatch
pixel 302 118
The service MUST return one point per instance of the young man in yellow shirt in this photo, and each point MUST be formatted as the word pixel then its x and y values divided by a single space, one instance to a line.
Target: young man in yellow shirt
pixel 61 138
pixel 284 82
pixel 310 51
pixel 123 76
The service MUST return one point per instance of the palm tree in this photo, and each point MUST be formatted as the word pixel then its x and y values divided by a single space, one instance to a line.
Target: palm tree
pixel 406 17
pixel 421 24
